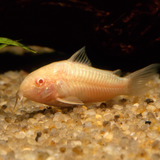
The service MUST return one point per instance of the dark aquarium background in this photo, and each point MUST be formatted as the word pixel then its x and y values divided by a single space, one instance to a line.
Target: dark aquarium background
pixel 117 34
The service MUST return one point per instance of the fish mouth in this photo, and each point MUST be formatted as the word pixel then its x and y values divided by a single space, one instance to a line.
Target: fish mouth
pixel 19 95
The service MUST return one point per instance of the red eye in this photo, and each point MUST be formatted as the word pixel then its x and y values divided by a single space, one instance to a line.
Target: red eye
pixel 40 81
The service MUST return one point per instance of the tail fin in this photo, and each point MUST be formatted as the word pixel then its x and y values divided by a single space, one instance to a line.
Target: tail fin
pixel 138 79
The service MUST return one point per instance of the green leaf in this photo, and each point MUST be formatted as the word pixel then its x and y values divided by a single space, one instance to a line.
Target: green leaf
pixel 7 41
pixel 3 45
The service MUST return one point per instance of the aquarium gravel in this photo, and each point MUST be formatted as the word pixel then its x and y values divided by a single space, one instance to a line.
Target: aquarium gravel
pixel 124 128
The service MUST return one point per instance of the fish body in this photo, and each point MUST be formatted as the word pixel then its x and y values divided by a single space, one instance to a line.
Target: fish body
pixel 76 82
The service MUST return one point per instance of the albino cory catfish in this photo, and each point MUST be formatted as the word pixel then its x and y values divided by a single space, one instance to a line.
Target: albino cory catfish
pixel 75 82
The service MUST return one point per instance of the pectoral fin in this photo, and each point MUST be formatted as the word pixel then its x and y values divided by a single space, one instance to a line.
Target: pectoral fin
pixel 71 100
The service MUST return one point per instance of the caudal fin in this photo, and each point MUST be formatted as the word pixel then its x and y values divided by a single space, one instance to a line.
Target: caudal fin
pixel 138 79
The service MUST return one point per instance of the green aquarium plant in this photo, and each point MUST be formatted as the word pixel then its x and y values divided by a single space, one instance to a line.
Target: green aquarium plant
pixel 6 42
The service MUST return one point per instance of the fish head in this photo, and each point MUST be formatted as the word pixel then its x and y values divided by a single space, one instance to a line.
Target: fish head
pixel 37 86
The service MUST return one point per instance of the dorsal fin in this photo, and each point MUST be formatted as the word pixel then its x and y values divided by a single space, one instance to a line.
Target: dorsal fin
pixel 80 57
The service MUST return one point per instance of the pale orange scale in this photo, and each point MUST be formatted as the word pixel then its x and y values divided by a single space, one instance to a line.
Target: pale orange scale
pixel 103 79
pixel 109 92
pixel 94 91
pixel 71 73
pixel 90 85
pixel 86 93
pixel 113 81
pixel 91 93
pixel 102 94
pixel 81 73
pixel 75 74
pixel 98 77
pixel 93 76
pixel 98 92
pixel 76 89
pixel 82 91
pixel 86 76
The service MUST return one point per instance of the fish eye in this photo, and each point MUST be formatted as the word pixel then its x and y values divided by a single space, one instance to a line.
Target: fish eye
pixel 39 81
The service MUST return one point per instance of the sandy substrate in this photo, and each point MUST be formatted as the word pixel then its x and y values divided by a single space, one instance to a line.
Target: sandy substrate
pixel 125 128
